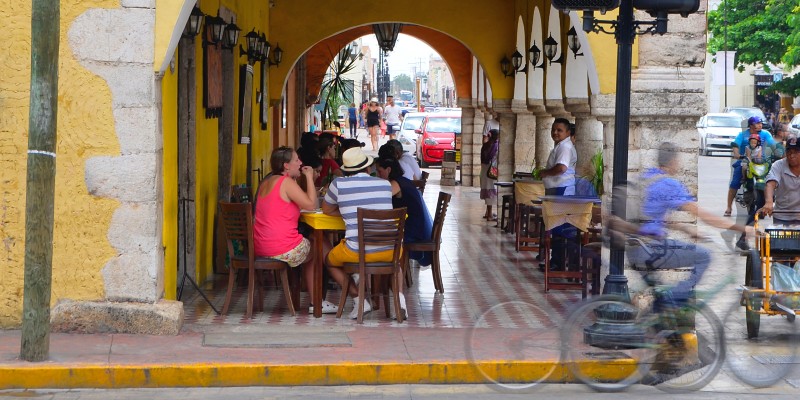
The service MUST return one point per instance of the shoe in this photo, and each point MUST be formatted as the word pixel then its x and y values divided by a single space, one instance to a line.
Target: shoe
pixel 355 278
pixel 403 308
pixel 327 308
pixel 742 245
pixel 354 313
pixel 727 214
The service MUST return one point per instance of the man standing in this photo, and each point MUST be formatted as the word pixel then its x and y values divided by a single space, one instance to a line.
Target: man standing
pixel 391 114
pixel 356 189
pixel 782 192
pixel 738 154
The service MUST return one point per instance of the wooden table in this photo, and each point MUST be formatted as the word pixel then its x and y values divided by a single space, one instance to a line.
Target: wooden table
pixel 558 210
pixel 320 223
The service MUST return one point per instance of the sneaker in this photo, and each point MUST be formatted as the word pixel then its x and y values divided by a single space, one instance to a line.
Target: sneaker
pixel 354 313
pixel 327 308
pixel 403 308
pixel 742 245
pixel 355 278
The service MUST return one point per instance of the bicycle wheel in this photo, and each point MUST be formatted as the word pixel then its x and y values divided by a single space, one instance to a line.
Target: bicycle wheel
pixel 498 355
pixel 691 351
pixel 764 360
pixel 601 350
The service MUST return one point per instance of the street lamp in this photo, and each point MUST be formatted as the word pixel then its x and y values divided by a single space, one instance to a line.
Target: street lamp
pixel 625 29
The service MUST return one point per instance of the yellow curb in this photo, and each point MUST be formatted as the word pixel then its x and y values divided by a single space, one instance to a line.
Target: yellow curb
pixel 218 375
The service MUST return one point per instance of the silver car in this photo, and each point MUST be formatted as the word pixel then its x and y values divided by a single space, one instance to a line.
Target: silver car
pixel 717 131
pixel 408 131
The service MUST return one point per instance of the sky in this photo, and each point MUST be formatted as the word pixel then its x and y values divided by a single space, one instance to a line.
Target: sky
pixel 408 53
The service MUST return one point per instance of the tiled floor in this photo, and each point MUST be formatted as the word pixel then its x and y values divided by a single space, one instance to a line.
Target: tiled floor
pixel 480 269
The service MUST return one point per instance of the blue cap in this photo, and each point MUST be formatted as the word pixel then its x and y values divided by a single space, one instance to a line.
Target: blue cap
pixel 754 120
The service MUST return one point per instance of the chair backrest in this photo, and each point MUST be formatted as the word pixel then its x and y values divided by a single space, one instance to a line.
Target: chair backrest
pixel 240 194
pixel 237 219
pixel 525 191
pixel 438 218
pixel 381 228
pixel 420 185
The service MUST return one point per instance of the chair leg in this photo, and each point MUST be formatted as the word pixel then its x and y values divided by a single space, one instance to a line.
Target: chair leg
pixel 406 263
pixel 287 292
pixel 343 297
pixel 437 273
pixel 251 284
pixel 362 286
pixel 231 282
pixel 396 291
pixel 258 305
pixel 384 287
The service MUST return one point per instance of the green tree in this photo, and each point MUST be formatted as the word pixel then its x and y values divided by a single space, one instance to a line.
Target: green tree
pixel 761 32
pixel 403 82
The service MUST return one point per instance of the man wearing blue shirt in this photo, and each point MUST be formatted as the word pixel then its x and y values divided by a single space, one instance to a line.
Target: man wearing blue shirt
pixel 737 154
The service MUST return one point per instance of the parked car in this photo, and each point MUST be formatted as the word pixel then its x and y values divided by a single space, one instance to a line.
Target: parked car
pixel 794 125
pixel 408 131
pixel 747 112
pixel 717 131
pixel 437 134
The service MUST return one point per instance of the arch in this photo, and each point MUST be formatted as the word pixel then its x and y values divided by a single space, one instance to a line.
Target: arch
pixel 536 75
pixel 520 77
pixel 455 55
pixel 297 32
pixel 553 84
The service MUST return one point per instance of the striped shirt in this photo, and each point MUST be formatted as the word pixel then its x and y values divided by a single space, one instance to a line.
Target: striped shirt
pixel 350 193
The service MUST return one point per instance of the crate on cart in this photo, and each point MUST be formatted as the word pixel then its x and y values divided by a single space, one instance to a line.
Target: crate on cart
pixel 783 240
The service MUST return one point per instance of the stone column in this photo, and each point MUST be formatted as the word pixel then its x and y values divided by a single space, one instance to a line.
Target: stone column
pixel 508 134
pixel 588 135
pixel 468 129
pixel 544 143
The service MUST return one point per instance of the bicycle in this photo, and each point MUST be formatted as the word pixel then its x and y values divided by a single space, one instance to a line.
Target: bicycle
pixel 680 347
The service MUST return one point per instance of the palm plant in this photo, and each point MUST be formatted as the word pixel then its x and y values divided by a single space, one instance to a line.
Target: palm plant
pixel 597 165
pixel 336 90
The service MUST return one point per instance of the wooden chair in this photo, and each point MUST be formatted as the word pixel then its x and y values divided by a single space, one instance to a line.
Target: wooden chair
pixel 240 194
pixel 434 245
pixel 237 219
pixel 590 255
pixel 528 227
pixel 587 270
pixel 377 228
pixel 420 183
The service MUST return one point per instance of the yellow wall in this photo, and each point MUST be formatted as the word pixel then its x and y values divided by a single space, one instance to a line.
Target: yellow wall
pixel 169 125
pixel 166 20
pixel 250 14
pixel 604 53
pixel 85 129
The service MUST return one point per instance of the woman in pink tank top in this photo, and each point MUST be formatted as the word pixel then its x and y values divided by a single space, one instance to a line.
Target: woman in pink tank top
pixel 278 204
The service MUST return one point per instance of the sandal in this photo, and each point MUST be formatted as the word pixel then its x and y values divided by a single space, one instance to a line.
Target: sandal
pixel 727 214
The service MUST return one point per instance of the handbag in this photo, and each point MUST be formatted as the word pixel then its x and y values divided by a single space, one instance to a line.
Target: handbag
pixel 491 173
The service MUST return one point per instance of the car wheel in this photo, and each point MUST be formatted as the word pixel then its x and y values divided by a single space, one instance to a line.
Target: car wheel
pixel 422 163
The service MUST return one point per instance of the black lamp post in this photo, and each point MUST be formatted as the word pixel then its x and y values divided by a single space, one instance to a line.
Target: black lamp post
pixel 611 324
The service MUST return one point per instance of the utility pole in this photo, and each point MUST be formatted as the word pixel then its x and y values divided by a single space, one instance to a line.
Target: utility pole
pixel 40 189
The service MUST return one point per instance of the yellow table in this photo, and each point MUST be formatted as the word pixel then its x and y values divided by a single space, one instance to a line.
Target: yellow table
pixel 320 223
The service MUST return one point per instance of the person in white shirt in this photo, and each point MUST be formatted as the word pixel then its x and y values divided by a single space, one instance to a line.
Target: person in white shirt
pixel 559 173
pixel 411 169
pixel 559 179
pixel 391 114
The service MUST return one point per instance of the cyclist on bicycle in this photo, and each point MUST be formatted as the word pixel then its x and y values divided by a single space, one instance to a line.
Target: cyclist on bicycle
pixel 663 194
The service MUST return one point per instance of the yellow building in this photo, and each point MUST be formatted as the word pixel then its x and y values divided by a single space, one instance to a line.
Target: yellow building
pixel 151 134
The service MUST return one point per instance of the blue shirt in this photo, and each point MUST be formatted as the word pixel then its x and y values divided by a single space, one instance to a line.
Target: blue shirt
pixel 743 137
pixel 351 113
pixel 662 195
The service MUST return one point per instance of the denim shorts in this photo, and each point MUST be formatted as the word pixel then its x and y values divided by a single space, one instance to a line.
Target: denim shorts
pixel 736 179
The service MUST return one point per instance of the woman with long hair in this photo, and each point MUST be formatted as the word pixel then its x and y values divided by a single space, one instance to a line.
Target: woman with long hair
pixel 373 114
pixel 489 151
pixel 278 203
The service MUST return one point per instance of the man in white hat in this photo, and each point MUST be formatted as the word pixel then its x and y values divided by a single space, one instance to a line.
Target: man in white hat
pixel 356 189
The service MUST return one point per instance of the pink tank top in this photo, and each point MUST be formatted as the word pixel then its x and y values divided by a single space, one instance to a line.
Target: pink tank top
pixel 275 226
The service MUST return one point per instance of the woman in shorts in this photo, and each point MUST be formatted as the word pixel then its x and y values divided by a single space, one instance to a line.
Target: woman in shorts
pixel 278 203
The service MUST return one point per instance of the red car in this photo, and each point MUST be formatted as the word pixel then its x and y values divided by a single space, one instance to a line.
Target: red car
pixel 437 134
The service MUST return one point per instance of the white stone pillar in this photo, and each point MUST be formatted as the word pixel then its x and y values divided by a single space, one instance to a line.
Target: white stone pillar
pixel 508 133
pixel 544 143
pixel 525 145
pixel 468 130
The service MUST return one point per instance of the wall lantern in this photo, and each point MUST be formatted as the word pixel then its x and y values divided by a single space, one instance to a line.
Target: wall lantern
pixel 217 26
pixel 550 49
pixel 510 67
pixel 535 55
pixel 277 56
pixel 573 43
pixel 253 51
pixel 195 23
pixel 231 36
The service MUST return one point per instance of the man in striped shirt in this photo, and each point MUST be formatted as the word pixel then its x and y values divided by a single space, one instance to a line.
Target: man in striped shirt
pixel 356 189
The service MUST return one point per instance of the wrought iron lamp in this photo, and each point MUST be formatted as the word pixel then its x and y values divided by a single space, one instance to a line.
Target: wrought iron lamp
pixel 534 54
pixel 573 43
pixel 516 63
pixel 195 23
pixel 231 38
pixel 216 26
pixel 550 50
pixel 253 51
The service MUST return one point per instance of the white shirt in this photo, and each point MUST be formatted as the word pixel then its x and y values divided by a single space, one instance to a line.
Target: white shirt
pixel 392 115
pixel 410 167
pixel 563 153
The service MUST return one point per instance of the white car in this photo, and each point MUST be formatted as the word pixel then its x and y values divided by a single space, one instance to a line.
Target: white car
pixel 408 131
pixel 717 131
pixel 794 125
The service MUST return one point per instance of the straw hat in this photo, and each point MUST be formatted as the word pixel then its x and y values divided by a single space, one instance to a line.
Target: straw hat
pixel 355 160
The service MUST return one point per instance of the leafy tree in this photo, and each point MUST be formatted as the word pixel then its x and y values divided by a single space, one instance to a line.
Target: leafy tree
pixel 403 82
pixel 336 90
pixel 761 32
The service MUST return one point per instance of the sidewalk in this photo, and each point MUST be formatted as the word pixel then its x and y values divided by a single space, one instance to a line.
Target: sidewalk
pixel 516 341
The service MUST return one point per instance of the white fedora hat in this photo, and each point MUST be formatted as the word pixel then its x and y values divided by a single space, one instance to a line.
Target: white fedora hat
pixel 355 159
